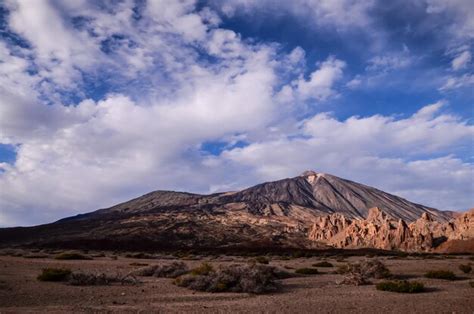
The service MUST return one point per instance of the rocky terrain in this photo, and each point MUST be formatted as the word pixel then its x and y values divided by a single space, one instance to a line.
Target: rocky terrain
pixel 311 211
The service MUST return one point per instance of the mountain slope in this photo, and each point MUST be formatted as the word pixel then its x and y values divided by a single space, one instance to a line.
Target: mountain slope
pixel 273 214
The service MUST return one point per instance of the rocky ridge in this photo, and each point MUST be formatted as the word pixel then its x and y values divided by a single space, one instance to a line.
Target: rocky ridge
pixel 383 232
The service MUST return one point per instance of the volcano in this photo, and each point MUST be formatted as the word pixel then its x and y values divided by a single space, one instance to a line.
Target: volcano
pixel 311 211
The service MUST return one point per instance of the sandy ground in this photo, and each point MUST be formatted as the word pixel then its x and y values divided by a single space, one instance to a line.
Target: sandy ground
pixel 20 292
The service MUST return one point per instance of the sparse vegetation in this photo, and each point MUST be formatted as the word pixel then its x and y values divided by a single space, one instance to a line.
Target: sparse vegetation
pixel 203 269
pixel 262 260
pixel 35 255
pixel 171 270
pixel 54 274
pixel 138 264
pixel 323 264
pixel 471 283
pixel 465 268
pixel 401 286
pixel 359 273
pixel 441 274
pixel 100 279
pixel 471 258
pixel 307 271
pixel 251 278
pixel 72 256
pixel 139 255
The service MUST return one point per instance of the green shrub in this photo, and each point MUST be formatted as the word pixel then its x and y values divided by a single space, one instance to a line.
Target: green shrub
pixel 203 269
pixel 465 268
pixel 401 286
pixel 262 260
pixel 54 274
pixel 323 264
pixel 342 269
pixel 307 271
pixel 72 256
pixel 441 274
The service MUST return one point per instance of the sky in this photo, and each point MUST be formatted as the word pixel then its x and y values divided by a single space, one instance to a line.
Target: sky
pixel 102 101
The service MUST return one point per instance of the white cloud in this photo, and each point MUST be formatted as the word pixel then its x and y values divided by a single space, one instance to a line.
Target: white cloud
pixel 180 81
pixel 461 61
pixel 377 150
pixel 454 82
pixel 462 15
pixel 342 14
pixel 319 86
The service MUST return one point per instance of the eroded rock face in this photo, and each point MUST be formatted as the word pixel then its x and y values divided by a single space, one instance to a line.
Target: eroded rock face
pixel 383 232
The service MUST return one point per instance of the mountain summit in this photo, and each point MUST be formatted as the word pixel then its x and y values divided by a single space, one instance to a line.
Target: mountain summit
pixel 313 210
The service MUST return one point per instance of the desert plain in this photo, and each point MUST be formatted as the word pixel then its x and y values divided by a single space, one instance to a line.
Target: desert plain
pixel 21 292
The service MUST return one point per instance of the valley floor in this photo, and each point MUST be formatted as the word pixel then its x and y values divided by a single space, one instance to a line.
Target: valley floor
pixel 20 291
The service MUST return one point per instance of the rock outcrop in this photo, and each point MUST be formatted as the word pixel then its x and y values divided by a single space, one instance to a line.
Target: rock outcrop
pixel 383 232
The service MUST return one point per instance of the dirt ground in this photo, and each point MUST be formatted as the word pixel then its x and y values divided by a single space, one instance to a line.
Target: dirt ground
pixel 21 292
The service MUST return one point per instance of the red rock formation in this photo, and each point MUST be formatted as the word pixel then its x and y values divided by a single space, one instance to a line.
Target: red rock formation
pixel 383 232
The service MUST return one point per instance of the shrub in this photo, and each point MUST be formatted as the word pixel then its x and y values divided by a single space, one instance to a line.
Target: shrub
pixel 441 274
pixel 139 255
pixel 262 260
pixel 138 264
pixel 307 271
pixel 401 286
pixel 72 256
pixel 203 269
pixel 342 269
pixel 54 274
pixel 252 278
pixel 471 283
pixel 100 279
pixel 323 264
pixel 35 256
pixel 465 268
pixel 471 258
pixel 359 273
pixel 172 270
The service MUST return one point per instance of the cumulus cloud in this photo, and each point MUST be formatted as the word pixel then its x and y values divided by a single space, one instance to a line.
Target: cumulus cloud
pixel 342 14
pixel 175 79
pixel 377 150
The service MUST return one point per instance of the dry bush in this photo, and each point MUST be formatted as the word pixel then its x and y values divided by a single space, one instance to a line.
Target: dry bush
pixel 359 273
pixel 100 279
pixel 465 268
pixel 401 286
pixel 171 270
pixel 54 274
pixel 252 278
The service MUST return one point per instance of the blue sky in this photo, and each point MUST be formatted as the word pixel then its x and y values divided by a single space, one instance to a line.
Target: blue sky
pixel 101 101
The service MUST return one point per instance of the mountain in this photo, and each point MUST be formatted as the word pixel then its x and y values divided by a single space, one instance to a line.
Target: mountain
pixel 311 211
